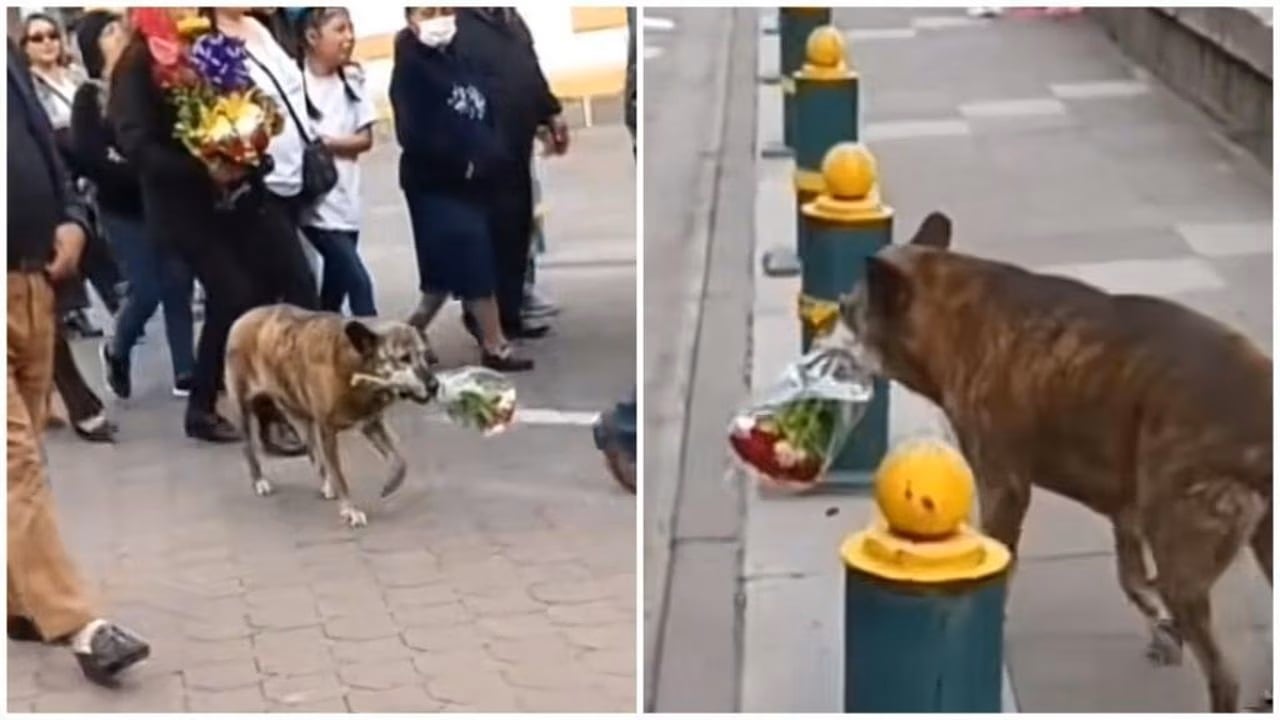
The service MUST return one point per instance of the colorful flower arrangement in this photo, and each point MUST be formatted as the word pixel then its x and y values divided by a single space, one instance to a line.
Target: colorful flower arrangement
pixel 790 439
pixel 478 398
pixel 222 117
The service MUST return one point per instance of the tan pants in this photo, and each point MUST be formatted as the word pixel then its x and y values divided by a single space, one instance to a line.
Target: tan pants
pixel 43 584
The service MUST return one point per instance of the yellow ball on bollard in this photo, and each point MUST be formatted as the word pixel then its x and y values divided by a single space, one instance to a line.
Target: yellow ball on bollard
pixel 849 171
pixel 825 48
pixel 924 490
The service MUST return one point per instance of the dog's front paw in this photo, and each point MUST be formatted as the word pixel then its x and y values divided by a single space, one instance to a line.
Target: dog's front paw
pixel 353 517
pixel 262 487
pixel 1165 649
pixel 396 479
pixel 326 491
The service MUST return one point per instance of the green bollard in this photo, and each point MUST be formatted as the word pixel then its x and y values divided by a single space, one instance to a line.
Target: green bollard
pixel 924 593
pixel 843 227
pixel 796 25
pixel 826 110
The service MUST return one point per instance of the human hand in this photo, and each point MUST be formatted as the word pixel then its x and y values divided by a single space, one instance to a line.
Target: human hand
pixel 227 174
pixel 559 135
pixel 68 245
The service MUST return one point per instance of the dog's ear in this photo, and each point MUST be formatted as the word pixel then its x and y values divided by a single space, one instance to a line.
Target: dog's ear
pixel 934 232
pixel 888 288
pixel 362 337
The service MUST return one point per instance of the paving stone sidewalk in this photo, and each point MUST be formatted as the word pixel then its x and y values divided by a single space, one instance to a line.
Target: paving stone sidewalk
pixel 500 578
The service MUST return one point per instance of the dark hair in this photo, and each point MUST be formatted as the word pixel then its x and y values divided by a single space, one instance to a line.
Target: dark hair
pixel 65 58
pixel 315 19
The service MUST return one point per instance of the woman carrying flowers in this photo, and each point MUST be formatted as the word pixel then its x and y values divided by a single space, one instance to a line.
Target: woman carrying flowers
pixel 195 127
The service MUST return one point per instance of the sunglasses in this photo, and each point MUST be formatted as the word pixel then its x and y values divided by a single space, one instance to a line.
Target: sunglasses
pixel 43 37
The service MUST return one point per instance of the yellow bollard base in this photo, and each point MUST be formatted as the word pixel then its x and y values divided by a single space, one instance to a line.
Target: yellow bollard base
pixel 962 555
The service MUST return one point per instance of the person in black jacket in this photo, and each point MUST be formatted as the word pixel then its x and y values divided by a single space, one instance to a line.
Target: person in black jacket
pixel 450 153
pixel 153 274
pixel 47 599
pixel 220 223
pixel 56 79
pixel 499 43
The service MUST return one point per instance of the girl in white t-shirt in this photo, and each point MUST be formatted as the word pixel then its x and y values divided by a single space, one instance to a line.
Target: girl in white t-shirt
pixel 343 113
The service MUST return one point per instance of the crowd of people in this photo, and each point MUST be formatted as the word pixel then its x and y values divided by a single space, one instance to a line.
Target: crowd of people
pixel 465 173
pixel 100 190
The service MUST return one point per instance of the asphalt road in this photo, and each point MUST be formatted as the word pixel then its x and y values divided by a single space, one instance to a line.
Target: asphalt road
pixel 699 125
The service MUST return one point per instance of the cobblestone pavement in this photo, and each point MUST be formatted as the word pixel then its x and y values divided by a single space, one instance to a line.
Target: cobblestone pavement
pixel 501 578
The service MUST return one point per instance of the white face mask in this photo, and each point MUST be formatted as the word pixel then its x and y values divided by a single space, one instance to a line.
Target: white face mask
pixel 437 32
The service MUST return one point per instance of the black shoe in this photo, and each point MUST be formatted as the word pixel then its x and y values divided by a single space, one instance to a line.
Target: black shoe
pixel 211 427
pixel 78 324
pixel 526 331
pixel 104 432
pixel 182 386
pixel 23 629
pixel 279 439
pixel 112 649
pixel 115 371
pixel 505 361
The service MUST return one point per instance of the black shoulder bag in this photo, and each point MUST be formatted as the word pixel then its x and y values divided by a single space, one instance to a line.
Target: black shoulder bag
pixel 319 170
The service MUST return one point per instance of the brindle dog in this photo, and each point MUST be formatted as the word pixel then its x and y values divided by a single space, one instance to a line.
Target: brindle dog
pixel 326 373
pixel 1144 411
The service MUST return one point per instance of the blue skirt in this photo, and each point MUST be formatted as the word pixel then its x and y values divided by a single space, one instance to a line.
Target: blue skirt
pixel 452 241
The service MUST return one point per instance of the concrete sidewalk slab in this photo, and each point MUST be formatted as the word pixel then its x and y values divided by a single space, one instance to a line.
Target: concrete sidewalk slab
pixel 1048 149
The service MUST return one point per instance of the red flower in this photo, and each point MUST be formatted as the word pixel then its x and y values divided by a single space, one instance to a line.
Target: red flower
pixel 163 43
pixel 154 22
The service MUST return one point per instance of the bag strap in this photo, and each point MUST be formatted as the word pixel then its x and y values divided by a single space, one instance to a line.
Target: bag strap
pixel 283 95
pixel 52 88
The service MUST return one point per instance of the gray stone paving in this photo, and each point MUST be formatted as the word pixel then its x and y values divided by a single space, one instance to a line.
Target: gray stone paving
pixel 500 578
pixel 1049 149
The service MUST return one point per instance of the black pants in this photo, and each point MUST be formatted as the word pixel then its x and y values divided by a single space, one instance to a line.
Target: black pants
pixel 82 403
pixel 252 257
pixel 512 226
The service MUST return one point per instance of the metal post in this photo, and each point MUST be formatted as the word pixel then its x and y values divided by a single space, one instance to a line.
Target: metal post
pixel 801 23
pixel 794 26
pixel 826 113
pixel 924 593
pixel 843 227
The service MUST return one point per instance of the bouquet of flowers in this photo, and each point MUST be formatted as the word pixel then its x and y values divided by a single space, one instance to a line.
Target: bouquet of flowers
pixel 222 117
pixel 478 398
pixel 791 438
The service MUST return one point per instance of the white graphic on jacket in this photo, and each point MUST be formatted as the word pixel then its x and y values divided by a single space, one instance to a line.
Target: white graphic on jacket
pixel 466 100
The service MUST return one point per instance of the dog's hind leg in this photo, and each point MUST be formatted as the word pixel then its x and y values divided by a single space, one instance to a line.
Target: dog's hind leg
pixel 1194 536
pixel 329 452
pixel 1165 647
pixel 252 442
pixel 384 442
pixel 1260 542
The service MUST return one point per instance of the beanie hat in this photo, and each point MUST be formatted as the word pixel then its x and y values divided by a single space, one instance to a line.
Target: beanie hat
pixel 88 30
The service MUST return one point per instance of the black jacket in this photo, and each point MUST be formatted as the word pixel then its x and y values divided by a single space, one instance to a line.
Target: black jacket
pixel 178 194
pixel 97 156
pixel 40 196
pixel 502 47
pixel 444 118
